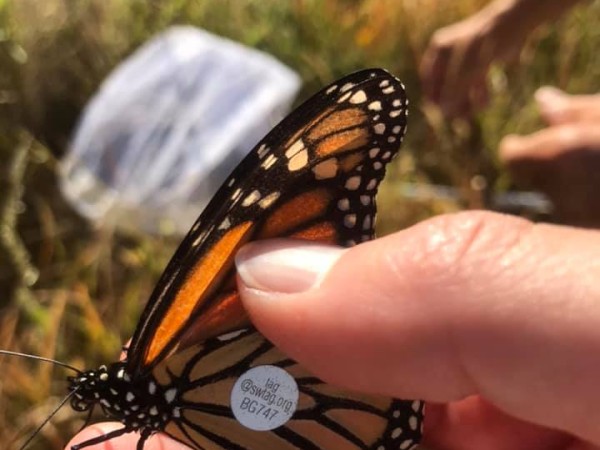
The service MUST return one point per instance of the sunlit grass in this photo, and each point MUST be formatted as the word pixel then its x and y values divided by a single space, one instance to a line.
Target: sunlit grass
pixel 92 283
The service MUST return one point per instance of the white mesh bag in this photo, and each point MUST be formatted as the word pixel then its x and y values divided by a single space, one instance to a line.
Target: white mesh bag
pixel 168 125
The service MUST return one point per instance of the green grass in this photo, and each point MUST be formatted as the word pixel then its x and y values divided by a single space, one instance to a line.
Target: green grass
pixel 74 292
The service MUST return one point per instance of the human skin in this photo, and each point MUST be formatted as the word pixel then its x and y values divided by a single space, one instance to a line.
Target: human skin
pixel 492 319
pixel 562 159
pixel 455 64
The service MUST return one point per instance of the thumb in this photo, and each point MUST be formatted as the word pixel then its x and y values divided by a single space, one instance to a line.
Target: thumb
pixel 472 303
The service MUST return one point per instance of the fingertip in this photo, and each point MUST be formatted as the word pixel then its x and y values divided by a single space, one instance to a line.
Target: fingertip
pixel 512 147
pixel 100 429
pixel 125 441
pixel 552 103
pixel 284 265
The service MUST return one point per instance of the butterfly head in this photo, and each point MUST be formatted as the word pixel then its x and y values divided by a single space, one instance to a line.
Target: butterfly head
pixel 140 403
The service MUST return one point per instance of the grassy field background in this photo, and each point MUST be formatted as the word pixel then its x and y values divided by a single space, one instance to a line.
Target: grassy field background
pixel 73 292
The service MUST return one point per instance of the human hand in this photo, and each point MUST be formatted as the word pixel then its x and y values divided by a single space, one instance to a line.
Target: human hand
pixel 563 159
pixel 124 442
pixel 491 319
pixel 455 64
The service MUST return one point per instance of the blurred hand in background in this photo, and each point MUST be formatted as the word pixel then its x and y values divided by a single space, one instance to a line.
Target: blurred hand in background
pixel 455 65
pixel 563 159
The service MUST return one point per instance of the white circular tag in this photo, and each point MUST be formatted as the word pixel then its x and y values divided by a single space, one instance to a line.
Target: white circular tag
pixel 264 398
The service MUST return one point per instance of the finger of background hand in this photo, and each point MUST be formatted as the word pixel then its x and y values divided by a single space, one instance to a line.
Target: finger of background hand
pixel 433 70
pixel 124 442
pixel 473 303
pixel 557 107
pixel 550 142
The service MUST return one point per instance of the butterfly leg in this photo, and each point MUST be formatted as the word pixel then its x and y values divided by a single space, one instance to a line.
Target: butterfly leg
pixel 103 438
pixel 143 438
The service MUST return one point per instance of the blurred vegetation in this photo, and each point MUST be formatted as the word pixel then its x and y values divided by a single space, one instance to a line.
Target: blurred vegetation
pixel 74 292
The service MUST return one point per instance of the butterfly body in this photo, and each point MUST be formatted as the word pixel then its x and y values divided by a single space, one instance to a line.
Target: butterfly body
pixel 314 177
pixel 141 404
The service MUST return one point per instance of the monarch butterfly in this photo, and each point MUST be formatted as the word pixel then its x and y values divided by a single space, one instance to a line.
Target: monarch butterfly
pixel 314 176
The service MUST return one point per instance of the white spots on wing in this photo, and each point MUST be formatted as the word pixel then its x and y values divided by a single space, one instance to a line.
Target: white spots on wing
pixel 347 87
pixel 415 405
pixel 367 223
pixel 379 128
pixel 103 376
pixel 395 113
pixel 377 165
pixel 152 387
pixel 199 239
pixel 396 129
pixel 331 89
pixel 269 200
pixel 232 335
pixel 236 194
pixel 195 227
pixel 251 198
pixel 396 103
pixel 298 161
pixel 170 395
pixel 387 155
pixel 344 97
pixel 129 397
pixel 343 204
pixel 388 90
pixel 353 183
pixel 391 139
pixel 384 83
pixel 372 184
pixel 413 423
pixel 326 169
pixel 375 106
pixel 406 445
pixel 153 411
pixel 230 182
pixel 376 117
pixel 365 199
pixel 374 152
pixel 350 220
pixel 268 163
pixel 396 433
pixel 396 413
pixel 225 224
pixel 296 147
pixel 262 151
pixel 297 155
pixel 358 97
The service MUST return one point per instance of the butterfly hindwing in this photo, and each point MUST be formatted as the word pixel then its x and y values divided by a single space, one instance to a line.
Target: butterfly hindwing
pixel 313 177
pixel 326 418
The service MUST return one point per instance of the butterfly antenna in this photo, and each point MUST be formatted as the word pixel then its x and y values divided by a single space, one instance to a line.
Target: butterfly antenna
pixel 41 358
pixel 47 419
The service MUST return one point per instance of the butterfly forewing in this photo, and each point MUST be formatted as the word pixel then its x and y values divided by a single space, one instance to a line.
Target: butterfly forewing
pixel 313 177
